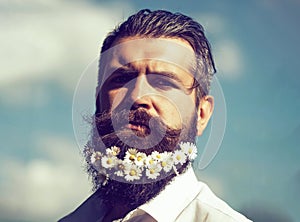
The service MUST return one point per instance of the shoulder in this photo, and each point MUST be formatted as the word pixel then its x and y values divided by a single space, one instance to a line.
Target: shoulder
pixel 89 210
pixel 206 206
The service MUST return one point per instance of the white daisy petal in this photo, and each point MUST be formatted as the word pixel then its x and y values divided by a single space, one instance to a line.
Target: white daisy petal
pixel 167 163
pixel 189 149
pixel 152 172
pixel 120 167
pixel 149 160
pixel 179 157
pixel 113 151
pixel 96 160
pixel 130 155
pixel 132 172
pixel 156 155
pixel 140 159
pixel 108 161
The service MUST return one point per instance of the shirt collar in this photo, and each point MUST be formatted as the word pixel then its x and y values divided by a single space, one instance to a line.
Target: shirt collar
pixel 167 205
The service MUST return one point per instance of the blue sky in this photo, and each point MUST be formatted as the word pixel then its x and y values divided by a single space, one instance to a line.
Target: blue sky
pixel 46 45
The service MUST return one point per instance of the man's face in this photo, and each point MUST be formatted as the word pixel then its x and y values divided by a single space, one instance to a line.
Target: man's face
pixel 153 75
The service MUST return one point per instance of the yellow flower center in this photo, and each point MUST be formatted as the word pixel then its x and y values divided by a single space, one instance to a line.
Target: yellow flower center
pixel 139 158
pixel 152 171
pixel 132 173
pixel 178 157
pixel 151 161
pixel 109 161
pixel 158 156
pixel 132 157
pixel 163 163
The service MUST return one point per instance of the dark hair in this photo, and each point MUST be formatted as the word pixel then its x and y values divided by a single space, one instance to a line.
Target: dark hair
pixel 160 23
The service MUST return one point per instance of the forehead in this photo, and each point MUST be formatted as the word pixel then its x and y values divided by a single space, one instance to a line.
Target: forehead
pixel 176 52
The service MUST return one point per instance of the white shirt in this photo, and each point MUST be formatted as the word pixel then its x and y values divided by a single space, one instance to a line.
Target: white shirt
pixel 185 199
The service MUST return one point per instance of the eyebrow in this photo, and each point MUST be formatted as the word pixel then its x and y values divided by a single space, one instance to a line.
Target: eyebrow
pixel 125 70
pixel 168 74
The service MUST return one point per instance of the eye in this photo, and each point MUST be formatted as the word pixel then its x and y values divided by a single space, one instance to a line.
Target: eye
pixel 120 79
pixel 163 82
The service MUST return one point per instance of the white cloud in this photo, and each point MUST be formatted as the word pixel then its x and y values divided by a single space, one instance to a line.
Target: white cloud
pixel 226 51
pixel 212 23
pixel 47 187
pixel 229 59
pixel 51 40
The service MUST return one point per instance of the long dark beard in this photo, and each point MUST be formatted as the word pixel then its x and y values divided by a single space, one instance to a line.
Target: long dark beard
pixel 104 135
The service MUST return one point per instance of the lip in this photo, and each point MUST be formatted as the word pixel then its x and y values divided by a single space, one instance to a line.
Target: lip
pixel 137 126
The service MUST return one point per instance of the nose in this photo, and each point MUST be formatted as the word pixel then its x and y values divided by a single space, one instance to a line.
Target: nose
pixel 140 93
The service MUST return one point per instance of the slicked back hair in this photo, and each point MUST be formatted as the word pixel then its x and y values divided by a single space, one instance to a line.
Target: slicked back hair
pixel 160 23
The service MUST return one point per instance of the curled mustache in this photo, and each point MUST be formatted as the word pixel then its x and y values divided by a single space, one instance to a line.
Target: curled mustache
pixel 108 122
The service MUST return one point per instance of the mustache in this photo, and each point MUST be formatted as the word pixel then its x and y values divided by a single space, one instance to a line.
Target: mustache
pixel 110 130
pixel 108 122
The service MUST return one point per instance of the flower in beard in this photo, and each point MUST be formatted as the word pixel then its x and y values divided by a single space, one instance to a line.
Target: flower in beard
pixel 167 162
pixel 140 159
pixel 156 155
pixel 96 160
pixel 130 155
pixel 190 149
pixel 149 160
pixel 113 151
pixel 152 172
pixel 132 172
pixel 108 161
pixel 120 167
pixel 179 157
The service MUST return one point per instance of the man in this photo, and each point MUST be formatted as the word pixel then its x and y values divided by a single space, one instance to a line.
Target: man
pixel 151 102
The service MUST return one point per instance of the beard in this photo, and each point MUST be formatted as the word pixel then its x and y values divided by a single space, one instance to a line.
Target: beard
pixel 109 129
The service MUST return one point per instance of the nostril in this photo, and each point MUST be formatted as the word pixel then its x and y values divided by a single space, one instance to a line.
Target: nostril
pixel 138 104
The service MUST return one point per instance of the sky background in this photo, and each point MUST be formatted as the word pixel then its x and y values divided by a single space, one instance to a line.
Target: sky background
pixel 46 45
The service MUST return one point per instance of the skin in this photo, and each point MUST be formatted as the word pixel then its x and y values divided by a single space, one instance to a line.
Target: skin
pixel 155 76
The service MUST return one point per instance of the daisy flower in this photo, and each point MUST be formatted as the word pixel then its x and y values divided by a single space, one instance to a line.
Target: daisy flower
pixel 132 172
pixel 156 155
pixel 130 155
pixel 108 161
pixel 152 172
pixel 113 151
pixel 149 161
pixel 190 149
pixel 179 157
pixel 140 159
pixel 167 162
pixel 119 168
pixel 96 160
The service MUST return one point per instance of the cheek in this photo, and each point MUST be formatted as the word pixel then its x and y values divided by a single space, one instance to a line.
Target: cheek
pixel 113 98
pixel 177 109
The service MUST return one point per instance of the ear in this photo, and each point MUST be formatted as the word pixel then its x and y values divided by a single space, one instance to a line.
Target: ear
pixel 205 111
